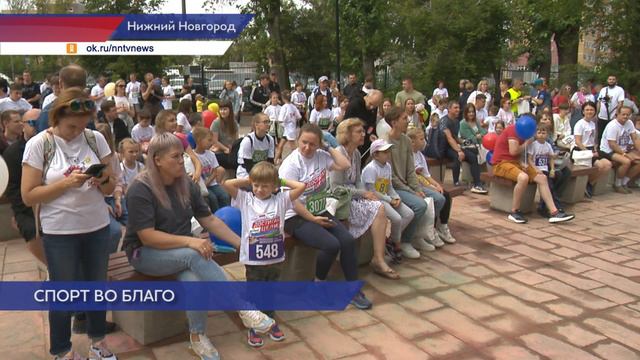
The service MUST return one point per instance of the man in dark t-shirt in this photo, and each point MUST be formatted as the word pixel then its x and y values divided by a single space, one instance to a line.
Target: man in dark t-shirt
pixel 365 107
pixel 30 90
pixel 450 126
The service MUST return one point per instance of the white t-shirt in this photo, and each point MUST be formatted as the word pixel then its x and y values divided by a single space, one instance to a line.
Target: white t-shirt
pixel 507 117
pixel 620 133
pixel 617 97
pixel 313 172
pixel 586 129
pixel 141 134
pixel 421 163
pixel 262 240
pixel 20 106
pixel 166 103
pixel 272 112
pixel 184 122
pixel 298 98
pixel 382 129
pixel 98 91
pixel 289 116
pixel 48 100
pixel 441 113
pixel 209 165
pixel 481 115
pixel 541 154
pixel 324 118
pixel 443 93
pixel 129 174
pixel 260 151
pixel 472 98
pixel 491 121
pixel 133 90
pixel 378 175
pixel 337 111
pixel 78 210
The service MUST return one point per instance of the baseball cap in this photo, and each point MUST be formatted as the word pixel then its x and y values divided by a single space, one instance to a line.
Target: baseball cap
pixel 323 78
pixel 538 82
pixel 380 145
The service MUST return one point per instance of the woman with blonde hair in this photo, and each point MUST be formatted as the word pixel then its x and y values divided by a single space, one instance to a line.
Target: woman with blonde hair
pixel 75 232
pixel 166 122
pixel 125 109
pixel 158 241
pixel 366 211
pixel 483 88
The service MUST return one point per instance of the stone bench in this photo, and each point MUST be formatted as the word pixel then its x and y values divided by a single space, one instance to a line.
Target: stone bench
pixel 501 194
pixel 437 168
pixel 577 183
pixel 605 183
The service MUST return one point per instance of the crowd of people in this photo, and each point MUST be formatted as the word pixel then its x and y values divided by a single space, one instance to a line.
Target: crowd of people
pixel 326 167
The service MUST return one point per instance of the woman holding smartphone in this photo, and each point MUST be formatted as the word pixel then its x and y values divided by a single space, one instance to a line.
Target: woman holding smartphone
pixel 75 232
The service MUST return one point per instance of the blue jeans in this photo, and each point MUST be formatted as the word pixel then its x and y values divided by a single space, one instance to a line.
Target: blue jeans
pixel 217 197
pixel 188 265
pixel 124 217
pixel 418 206
pixel 76 257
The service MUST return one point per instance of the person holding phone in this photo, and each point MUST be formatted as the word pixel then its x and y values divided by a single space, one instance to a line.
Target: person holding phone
pixel 75 232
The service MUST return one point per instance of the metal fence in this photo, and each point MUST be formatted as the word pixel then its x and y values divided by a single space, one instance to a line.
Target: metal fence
pixel 212 80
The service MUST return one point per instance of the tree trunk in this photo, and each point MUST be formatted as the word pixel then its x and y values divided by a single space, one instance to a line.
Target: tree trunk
pixel 368 67
pixel 276 53
pixel 567 43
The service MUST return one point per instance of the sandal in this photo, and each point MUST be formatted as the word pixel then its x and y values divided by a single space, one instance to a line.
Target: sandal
pixel 389 273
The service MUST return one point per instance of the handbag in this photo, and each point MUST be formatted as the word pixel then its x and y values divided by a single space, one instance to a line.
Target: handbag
pixel 582 157
pixel 482 154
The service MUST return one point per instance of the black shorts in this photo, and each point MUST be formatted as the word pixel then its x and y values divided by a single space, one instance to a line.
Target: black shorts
pixel 604 155
pixel 26 224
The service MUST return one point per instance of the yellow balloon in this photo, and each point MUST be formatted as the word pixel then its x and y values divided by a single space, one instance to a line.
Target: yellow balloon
pixel 110 89
pixel 213 107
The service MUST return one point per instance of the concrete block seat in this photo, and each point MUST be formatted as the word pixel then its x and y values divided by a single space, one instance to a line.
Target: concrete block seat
pixel 501 194
pixel 437 168
pixel 577 183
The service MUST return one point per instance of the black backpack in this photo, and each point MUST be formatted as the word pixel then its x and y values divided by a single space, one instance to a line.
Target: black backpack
pixel 230 161
pixel 436 143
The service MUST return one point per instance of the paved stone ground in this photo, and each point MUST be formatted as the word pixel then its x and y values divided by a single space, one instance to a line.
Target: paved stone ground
pixel 504 291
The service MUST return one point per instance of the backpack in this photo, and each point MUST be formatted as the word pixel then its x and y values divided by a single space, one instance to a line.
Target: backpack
pixel 436 143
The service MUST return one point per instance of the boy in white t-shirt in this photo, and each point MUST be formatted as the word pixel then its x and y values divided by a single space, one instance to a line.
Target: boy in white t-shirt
pixel 142 132
pixel 257 146
pixel 376 177
pixel 263 214
pixel 212 172
pixel 289 116
pixel 540 155
pixel 129 151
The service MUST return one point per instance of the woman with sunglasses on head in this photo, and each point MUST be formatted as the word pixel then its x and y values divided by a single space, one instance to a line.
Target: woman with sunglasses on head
pixel 75 232
pixel 124 108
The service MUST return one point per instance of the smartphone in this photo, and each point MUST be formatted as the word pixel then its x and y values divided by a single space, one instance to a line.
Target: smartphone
pixel 95 170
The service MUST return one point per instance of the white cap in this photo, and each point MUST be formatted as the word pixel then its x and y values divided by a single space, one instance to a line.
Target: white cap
pixel 380 145
pixel 323 78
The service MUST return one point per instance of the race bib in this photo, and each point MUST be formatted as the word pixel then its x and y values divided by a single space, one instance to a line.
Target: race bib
pixel 259 155
pixel 264 248
pixel 324 123
pixel 541 161
pixel 382 185
pixel 317 203
pixel 624 140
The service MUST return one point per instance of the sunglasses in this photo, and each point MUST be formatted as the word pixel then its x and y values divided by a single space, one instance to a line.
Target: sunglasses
pixel 32 123
pixel 81 105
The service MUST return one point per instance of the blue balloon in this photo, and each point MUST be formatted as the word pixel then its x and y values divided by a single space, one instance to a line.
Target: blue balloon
pixel 489 157
pixel 191 140
pixel 232 218
pixel 525 126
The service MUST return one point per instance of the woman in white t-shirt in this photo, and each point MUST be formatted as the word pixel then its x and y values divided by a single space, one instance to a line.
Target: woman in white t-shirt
pixel 310 223
pixel 584 134
pixel 441 91
pixel 73 215
pixel 124 108
pixel 168 95
pixel 184 111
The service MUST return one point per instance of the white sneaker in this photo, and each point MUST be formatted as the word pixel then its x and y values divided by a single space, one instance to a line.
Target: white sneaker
pixel 445 234
pixel 204 348
pixel 409 251
pixel 422 244
pixel 256 320
pixel 99 351
pixel 434 238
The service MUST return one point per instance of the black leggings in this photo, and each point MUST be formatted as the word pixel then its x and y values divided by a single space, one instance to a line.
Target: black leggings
pixel 328 242
pixel 602 123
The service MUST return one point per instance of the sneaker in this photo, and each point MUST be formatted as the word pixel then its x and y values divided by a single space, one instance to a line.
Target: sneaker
pixel 588 192
pixel 361 302
pixel 457 183
pixel 422 244
pixel 71 355
pixel 276 334
pixel 561 216
pixel 445 234
pixel 80 326
pixel 256 320
pixel 409 251
pixel 621 189
pixel 434 238
pixel 254 339
pixel 479 189
pixel 626 188
pixel 204 349
pixel 99 351
pixel 517 217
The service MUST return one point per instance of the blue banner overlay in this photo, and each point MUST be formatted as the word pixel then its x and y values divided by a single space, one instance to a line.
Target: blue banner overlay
pixel 181 27
pixel 176 295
